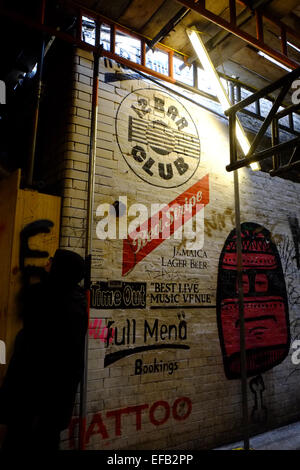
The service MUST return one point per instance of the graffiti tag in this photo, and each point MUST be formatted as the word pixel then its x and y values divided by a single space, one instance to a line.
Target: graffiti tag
pixel 159 413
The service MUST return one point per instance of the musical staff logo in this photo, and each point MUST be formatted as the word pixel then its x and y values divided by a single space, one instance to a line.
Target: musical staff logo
pixel 158 138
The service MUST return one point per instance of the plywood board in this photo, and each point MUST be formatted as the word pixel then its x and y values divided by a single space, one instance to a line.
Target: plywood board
pixel 31 207
pixel 18 209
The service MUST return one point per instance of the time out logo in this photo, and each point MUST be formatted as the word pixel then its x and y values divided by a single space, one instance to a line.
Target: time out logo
pixel 157 138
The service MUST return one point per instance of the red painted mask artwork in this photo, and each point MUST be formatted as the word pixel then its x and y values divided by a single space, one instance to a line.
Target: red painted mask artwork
pixel 267 335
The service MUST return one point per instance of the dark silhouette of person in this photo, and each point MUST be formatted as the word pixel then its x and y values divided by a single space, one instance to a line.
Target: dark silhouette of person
pixel 39 388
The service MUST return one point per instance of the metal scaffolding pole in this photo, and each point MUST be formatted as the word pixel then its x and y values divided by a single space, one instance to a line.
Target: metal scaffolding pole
pixel 241 311
pixel 89 230
pixel 233 149
pixel 30 168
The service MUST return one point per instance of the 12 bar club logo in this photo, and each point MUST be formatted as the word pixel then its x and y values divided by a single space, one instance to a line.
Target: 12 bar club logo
pixel 157 138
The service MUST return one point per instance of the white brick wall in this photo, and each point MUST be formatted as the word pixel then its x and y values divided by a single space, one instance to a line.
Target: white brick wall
pixel 215 416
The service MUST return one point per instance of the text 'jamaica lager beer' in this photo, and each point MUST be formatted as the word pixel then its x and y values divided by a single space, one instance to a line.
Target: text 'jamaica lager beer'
pixel 267 334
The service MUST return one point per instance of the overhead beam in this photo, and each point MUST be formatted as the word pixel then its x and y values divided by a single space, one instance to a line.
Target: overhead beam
pixel 249 38
pixel 259 156
pixel 223 45
pixel 242 18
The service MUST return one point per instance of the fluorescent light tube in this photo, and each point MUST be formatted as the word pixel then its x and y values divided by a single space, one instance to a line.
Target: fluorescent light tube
pixel 222 95
pixel 268 57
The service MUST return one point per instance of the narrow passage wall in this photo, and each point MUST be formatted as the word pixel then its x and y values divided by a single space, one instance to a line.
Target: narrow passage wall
pixel 167 374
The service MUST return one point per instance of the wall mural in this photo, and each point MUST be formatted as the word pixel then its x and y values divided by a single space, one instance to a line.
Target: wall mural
pixel 174 265
pixel 157 414
pixel 179 295
pixel 155 334
pixel 183 258
pixel 136 249
pixel 154 140
pixel 98 330
pixel 118 294
pixel 265 303
pixel 161 335
pixel 259 412
pixel 219 221
pixel 157 144
pixel 30 230
pixel 157 323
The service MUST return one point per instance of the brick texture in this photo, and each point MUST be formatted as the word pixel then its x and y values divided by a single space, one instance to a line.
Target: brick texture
pixel 186 402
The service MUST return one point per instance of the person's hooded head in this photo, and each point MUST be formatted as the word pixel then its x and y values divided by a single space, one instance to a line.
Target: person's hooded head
pixel 67 268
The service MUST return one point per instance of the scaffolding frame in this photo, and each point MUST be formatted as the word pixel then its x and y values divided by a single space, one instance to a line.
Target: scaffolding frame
pixel 283 86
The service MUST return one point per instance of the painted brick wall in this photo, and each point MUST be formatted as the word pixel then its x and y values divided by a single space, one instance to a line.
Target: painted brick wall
pixel 183 398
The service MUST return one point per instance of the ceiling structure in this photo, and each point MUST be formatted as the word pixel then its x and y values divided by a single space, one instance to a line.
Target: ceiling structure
pixel 231 55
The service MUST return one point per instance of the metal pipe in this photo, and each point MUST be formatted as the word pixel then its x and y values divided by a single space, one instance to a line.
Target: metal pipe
pixel 291 121
pixel 257 157
pixel 283 169
pixel 232 138
pixel 257 108
pixel 283 41
pixel 240 283
pixel 30 168
pixel 89 230
pixel 288 110
pixel 275 141
pixel 232 10
pixel 259 26
pixel 241 311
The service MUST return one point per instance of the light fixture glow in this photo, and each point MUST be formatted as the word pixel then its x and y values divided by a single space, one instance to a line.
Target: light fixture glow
pixel 268 57
pixel 220 90
pixel 293 46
